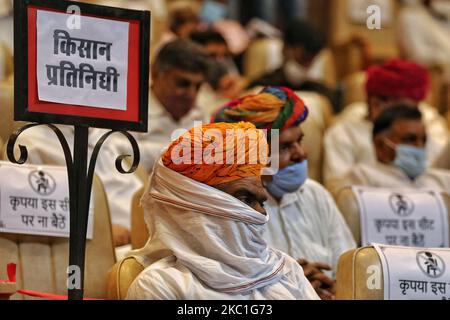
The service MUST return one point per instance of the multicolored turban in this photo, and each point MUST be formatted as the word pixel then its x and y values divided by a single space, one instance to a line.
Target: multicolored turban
pixel 272 108
pixel 218 153
pixel 398 78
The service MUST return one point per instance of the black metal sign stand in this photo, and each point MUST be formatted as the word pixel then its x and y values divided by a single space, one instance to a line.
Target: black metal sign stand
pixel 80 184
pixel 28 107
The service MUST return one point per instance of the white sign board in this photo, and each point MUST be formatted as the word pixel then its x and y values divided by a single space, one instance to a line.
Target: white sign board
pixel 415 273
pixel 35 200
pixel 86 66
pixel 406 217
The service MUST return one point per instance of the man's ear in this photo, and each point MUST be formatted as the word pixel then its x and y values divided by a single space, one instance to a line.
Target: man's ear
pixel 378 142
pixel 375 107
pixel 382 151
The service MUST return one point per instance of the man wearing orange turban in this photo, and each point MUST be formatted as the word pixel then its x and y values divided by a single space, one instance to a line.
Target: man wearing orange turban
pixel 218 153
pixel 204 212
pixel 395 82
pixel 304 220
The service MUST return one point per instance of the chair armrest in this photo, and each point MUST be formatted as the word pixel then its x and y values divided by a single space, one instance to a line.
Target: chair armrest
pixel 7 289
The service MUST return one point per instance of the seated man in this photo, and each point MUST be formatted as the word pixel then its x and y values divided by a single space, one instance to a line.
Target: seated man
pixel 349 140
pixel 399 138
pixel 204 211
pixel 304 220
pixel 301 70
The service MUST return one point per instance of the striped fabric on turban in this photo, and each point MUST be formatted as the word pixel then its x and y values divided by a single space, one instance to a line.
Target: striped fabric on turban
pixel 272 108
pixel 218 153
pixel 398 78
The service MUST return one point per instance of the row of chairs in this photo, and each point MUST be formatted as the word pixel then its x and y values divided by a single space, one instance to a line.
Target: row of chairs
pixel 42 261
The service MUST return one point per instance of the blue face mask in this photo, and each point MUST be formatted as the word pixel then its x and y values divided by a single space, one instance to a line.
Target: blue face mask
pixel 213 11
pixel 411 160
pixel 289 179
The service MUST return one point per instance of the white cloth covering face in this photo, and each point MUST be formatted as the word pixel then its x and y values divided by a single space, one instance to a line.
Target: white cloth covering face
pixel 206 244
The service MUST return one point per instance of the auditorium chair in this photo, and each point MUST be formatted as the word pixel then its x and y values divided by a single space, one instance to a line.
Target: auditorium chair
pixel 348 205
pixel 344 29
pixel 126 270
pixel 42 261
pixel 314 127
pixel 7 125
pixel 139 233
pixel 6 62
pixel 121 276
pixel 262 56
pixel 359 275
pixel 1 148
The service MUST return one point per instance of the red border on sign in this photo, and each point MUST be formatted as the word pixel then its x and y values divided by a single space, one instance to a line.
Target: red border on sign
pixel 132 109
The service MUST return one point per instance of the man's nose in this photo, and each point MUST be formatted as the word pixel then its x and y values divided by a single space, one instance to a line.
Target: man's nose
pixel 298 153
pixel 192 91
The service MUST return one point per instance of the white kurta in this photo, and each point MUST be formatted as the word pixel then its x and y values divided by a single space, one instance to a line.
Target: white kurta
pixel 422 37
pixel 44 148
pixel 307 224
pixel 381 175
pixel 167 279
pixel 349 140
pixel 205 244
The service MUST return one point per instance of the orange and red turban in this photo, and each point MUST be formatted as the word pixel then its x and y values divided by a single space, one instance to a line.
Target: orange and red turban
pixel 218 153
pixel 398 78
pixel 272 108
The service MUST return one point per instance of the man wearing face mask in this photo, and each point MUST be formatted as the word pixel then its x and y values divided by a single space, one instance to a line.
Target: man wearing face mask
pixel 304 220
pixel 349 141
pixel 301 70
pixel 399 137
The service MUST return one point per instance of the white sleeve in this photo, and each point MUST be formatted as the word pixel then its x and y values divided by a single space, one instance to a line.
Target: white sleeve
pixel 150 286
pixel 340 237
pixel 119 188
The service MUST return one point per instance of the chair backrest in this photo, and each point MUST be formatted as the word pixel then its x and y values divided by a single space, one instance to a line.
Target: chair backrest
pixel 6 62
pixel 348 204
pixel 354 90
pixel 383 41
pixel 359 275
pixel 314 128
pixel 42 261
pixel 139 233
pixel 121 276
pixel 263 56
pixel 1 148
pixel 7 123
